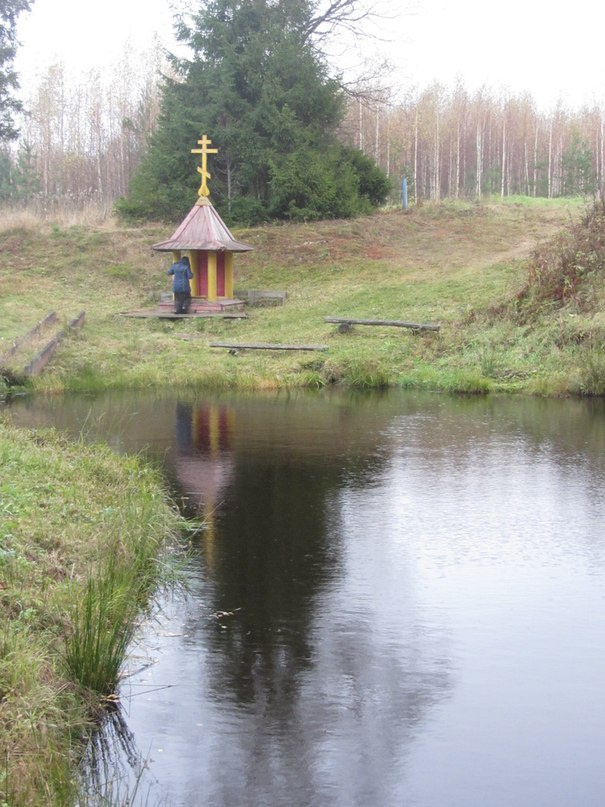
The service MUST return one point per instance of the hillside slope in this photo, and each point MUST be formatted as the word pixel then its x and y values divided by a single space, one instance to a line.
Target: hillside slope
pixel 460 265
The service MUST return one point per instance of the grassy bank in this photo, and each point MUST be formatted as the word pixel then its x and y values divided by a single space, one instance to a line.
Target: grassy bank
pixel 80 533
pixel 461 265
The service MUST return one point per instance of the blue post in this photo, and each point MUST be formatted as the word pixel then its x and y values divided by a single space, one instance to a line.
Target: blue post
pixel 404 193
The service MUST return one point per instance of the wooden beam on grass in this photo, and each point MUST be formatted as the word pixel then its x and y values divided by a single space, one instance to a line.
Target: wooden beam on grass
pixel 49 319
pixel 395 323
pixel 41 359
pixel 265 346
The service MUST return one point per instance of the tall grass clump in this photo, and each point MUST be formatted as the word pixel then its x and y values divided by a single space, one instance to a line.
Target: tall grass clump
pixel 86 379
pixel 105 614
pixel 66 215
pixel 561 309
pixel 365 374
pixel 103 627
pixel 591 373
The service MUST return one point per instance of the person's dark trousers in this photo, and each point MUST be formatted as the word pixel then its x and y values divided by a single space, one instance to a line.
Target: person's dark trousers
pixel 181 302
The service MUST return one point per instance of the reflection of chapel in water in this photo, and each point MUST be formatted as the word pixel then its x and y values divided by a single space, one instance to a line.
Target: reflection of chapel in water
pixel 204 464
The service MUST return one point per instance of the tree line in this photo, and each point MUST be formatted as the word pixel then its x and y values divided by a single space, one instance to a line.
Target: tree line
pixel 10 104
pixel 255 80
pixel 456 144
pixel 293 142
pixel 81 141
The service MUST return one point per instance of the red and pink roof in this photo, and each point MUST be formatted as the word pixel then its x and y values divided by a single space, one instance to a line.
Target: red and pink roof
pixel 202 229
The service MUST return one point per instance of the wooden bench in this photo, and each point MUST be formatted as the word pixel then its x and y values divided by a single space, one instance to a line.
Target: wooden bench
pixel 345 324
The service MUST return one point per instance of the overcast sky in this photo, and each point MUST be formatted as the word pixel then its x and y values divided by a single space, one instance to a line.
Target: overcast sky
pixel 551 49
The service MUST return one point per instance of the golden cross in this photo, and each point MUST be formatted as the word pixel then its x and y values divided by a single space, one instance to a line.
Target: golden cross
pixel 204 151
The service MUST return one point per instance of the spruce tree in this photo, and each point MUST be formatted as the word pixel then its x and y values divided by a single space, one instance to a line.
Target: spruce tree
pixel 19 179
pixel 9 105
pixel 258 87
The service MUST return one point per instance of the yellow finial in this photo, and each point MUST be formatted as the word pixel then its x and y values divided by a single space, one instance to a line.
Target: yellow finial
pixel 204 151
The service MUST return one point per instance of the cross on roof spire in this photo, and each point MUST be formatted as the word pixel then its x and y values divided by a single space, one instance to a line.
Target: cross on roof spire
pixel 204 151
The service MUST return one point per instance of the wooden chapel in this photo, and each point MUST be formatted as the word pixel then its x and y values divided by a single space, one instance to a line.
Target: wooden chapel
pixel 205 238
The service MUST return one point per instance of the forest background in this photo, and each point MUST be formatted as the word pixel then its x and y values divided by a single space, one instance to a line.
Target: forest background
pixel 82 142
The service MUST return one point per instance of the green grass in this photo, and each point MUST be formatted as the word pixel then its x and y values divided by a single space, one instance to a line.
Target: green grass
pixel 459 264
pixel 80 537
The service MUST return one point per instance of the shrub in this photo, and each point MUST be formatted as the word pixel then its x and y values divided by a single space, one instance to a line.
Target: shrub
pixel 565 269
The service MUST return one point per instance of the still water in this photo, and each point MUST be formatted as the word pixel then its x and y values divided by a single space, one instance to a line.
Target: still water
pixel 396 599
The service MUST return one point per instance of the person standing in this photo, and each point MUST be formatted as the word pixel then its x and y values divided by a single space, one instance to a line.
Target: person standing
pixel 181 275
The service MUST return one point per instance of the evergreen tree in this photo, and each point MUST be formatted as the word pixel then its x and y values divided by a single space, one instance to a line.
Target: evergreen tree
pixel 19 179
pixel 577 174
pixel 27 178
pixel 9 105
pixel 260 90
pixel 6 175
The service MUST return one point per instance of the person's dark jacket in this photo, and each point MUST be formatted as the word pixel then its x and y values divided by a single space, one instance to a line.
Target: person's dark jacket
pixel 182 274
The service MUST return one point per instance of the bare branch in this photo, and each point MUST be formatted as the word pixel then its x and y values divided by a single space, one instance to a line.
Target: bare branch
pixel 338 13
pixel 342 15
pixel 372 89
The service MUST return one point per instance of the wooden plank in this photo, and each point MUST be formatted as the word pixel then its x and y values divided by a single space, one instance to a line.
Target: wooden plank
pixel 416 326
pixel 78 322
pixel 49 319
pixel 41 359
pixel 169 315
pixel 203 315
pixel 265 346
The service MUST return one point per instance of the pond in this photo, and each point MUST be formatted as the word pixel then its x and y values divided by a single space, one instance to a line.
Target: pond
pixel 396 599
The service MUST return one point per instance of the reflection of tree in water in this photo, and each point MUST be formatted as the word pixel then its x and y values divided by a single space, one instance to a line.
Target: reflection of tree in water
pixel 275 556
pixel 319 691
pixel 267 550
pixel 374 680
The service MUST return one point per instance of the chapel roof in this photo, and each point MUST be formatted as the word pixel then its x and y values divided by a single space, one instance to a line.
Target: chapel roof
pixel 202 228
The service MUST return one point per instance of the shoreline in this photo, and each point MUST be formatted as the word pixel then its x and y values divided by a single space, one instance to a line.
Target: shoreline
pixel 75 519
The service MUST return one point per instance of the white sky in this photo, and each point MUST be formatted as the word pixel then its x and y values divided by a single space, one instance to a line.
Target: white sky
pixel 551 49
pixel 83 34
